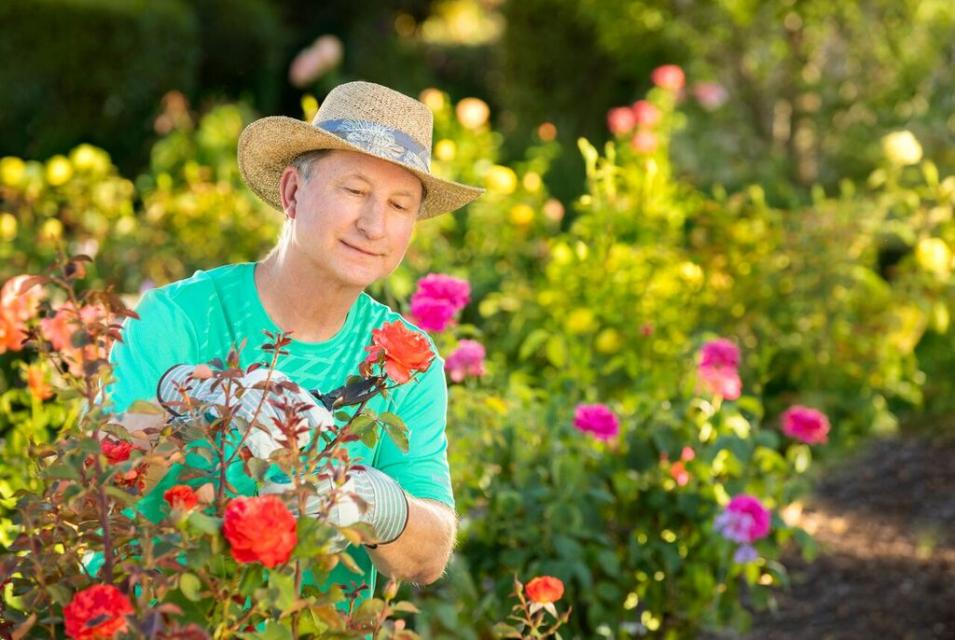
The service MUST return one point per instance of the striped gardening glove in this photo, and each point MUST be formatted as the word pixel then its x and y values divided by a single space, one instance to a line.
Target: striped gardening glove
pixel 368 496
pixel 264 436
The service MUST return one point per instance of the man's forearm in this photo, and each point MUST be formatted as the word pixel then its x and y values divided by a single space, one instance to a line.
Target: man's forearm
pixel 421 553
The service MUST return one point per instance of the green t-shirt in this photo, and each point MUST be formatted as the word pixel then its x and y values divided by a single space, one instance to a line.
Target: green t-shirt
pixel 200 318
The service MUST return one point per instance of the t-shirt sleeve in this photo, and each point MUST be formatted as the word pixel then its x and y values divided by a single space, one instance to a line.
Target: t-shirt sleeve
pixel 162 336
pixel 423 471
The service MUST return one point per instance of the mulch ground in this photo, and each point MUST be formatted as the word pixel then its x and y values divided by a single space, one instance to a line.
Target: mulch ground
pixel 885 524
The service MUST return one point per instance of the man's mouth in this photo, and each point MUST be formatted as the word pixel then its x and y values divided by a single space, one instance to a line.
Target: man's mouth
pixel 360 250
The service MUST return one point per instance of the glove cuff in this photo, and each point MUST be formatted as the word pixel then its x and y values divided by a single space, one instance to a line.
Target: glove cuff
pixel 388 512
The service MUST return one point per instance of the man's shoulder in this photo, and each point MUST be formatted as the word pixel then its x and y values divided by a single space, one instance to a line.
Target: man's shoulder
pixel 199 288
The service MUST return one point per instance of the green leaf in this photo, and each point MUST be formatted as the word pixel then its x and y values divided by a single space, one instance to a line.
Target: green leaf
pixel 203 523
pixel 251 579
pixel 369 610
pixel 532 343
pixel 556 351
pixel 282 590
pixel 149 408
pixel 275 631
pixel 191 586
pixel 396 430
pixel 502 630
pixel 125 498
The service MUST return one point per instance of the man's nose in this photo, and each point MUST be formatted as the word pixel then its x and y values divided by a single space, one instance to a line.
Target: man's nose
pixel 372 220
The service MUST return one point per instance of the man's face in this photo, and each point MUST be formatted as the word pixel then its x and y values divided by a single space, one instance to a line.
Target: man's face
pixel 353 216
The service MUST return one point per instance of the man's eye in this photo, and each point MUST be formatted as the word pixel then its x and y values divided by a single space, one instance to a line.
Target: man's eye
pixel 399 207
pixel 356 192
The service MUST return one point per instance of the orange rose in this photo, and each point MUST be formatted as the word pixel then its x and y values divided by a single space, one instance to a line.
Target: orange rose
pixel 37 384
pixel 181 497
pixel 260 529
pixel 544 590
pixel 16 308
pixel 97 613
pixel 400 350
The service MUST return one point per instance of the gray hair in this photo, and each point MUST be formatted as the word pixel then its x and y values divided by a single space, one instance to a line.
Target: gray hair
pixel 303 162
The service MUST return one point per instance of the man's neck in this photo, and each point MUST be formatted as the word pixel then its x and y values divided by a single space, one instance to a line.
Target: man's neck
pixel 299 300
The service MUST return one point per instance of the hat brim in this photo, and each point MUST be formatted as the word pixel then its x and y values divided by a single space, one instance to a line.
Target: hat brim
pixel 269 144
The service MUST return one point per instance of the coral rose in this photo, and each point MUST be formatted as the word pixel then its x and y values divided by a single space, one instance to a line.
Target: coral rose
pixel 621 120
pixel 181 497
pixel 116 451
pixel 806 424
pixel 260 529
pixel 544 590
pixel 97 613
pixel 645 113
pixel 669 77
pixel 401 350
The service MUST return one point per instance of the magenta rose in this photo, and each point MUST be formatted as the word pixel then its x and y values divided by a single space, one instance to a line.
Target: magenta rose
pixel 806 424
pixel 744 520
pixel 437 299
pixel 597 420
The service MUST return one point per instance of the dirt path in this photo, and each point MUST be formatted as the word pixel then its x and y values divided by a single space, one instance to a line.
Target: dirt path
pixel 885 524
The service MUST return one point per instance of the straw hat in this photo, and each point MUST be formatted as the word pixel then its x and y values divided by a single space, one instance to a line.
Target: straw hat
pixel 356 116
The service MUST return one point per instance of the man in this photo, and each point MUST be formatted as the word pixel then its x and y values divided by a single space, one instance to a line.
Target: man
pixel 352 185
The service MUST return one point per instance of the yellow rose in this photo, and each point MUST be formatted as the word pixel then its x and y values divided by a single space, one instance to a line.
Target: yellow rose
pixel 580 320
pixel 58 171
pixel 472 113
pixel 609 341
pixel 901 148
pixel 500 179
pixel 8 226
pixel 521 215
pixel 11 171
pixel 433 98
pixel 445 150
pixel 934 256
pixel 532 182
pixel 51 230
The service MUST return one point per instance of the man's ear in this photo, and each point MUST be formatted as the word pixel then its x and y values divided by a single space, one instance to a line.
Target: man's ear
pixel 289 184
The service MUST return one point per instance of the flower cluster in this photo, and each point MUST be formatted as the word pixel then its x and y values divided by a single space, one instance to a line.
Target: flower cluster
pixel 438 299
pixel 643 115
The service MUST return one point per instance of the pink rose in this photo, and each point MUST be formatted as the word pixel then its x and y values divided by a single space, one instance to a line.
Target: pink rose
pixel 645 114
pixel 710 95
pixel 806 424
pixel 621 120
pixel 717 370
pixel 744 520
pixel 669 77
pixel 596 419
pixel 467 360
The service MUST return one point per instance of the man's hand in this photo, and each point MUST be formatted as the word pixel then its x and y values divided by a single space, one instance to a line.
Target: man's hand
pixel 368 496
pixel 254 402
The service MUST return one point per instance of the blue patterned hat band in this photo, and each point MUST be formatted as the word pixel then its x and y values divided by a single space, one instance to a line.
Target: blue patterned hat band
pixel 380 140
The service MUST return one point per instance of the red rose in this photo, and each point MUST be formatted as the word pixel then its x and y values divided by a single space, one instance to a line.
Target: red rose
pixel 544 590
pixel 181 497
pixel 97 613
pixel 116 451
pixel 260 529
pixel 402 351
